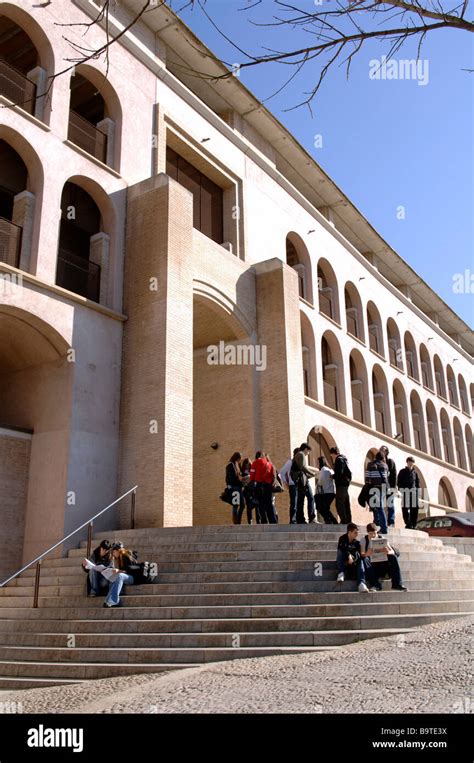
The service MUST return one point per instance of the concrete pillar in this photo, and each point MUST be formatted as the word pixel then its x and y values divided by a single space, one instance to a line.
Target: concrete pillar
pixel 280 386
pixel 24 215
pixel 107 126
pixel 99 254
pixel 159 140
pixel 156 404
pixel 39 76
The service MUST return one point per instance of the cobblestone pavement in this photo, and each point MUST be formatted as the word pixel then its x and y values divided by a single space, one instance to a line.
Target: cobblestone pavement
pixel 428 670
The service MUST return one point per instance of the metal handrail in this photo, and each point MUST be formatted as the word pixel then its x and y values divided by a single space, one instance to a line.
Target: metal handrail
pixel 89 524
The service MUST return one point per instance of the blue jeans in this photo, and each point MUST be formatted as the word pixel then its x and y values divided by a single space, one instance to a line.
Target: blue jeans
pixel 378 500
pixel 97 583
pixel 121 579
pixel 342 566
pixel 292 491
pixel 391 506
pixel 304 491
pixel 379 569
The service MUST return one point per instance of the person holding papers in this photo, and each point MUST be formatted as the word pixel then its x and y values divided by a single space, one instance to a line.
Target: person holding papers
pixel 379 559
pixel 122 563
pixel 97 584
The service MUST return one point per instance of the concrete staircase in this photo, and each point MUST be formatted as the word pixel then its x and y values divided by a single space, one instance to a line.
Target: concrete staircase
pixel 224 592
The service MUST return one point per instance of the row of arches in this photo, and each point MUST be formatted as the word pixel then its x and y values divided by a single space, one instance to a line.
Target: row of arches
pixel 367 326
pixel 372 402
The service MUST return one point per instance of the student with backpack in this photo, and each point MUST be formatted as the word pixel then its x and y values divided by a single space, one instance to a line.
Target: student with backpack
pixel 300 473
pixel 342 480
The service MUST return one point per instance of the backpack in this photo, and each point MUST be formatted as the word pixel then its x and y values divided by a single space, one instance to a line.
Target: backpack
pixel 296 474
pixel 346 472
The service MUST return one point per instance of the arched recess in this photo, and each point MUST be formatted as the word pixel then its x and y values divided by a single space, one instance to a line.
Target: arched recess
pixel 333 373
pixel 95 115
pixel 402 424
pixel 411 357
pixel 297 257
pixel 395 351
pixel 446 494
pixel 309 357
pixel 26 62
pixel 35 422
pixel 470 500
pixel 463 395
pixel 440 381
pixel 434 442
pixel 354 311
pixel 471 388
pixel 459 448
pixel 426 370
pixel 418 422
pixel 223 381
pixel 374 323
pixel 359 388
pixel 381 401
pixel 469 448
pixel 446 438
pixel 321 440
pixel 86 244
pixel 328 291
pixel 452 387
pixel 21 191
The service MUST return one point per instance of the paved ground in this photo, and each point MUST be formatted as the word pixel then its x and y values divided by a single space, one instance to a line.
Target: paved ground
pixel 428 670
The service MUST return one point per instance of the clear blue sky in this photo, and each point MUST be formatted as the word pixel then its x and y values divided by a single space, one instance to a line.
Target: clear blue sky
pixel 386 143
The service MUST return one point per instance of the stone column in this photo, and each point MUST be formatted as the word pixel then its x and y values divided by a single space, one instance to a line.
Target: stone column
pixel 156 404
pixel 159 140
pixel 99 254
pixel 24 215
pixel 107 125
pixel 39 76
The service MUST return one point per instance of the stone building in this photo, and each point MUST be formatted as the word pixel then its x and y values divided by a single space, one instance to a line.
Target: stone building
pixel 146 215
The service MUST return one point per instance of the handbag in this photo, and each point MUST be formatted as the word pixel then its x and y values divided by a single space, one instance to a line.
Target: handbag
pixel 226 496
pixel 277 486
pixel 364 495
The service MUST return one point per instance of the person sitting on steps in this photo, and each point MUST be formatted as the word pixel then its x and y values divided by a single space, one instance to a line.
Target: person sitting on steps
pixel 96 583
pixel 122 561
pixel 349 558
pixel 377 570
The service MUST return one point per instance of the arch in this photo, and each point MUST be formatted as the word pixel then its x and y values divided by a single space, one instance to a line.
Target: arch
pixel 402 423
pixel 32 339
pixel 381 401
pixel 297 257
pixel 434 442
pixel 469 448
pixel 93 99
pixel 321 440
pixel 452 387
pixel 448 452
pixel 446 494
pixel 354 311
pixel 471 389
pixel 328 291
pixel 394 345
pixel 418 422
pixel 411 359
pixel 241 325
pixel 333 373
pixel 426 370
pixel 374 323
pixel 459 449
pixel 463 395
pixel 470 500
pixel 309 357
pixel 28 155
pixel 359 388
pixel 440 381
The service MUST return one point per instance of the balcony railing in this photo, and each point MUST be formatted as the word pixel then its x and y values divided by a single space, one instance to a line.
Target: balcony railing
pixel 10 242
pixel 87 136
pixel 16 87
pixel 78 275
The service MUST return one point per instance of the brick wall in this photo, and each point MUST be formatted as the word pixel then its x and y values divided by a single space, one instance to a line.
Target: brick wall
pixel 14 466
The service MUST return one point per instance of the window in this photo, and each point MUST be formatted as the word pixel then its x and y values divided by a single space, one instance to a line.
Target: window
pixel 208 197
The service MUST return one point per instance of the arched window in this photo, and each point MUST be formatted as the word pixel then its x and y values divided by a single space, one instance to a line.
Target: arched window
pixel 448 452
pixel 333 373
pixel 472 396
pixel 401 412
pixel 439 378
pixel 380 396
pixel 418 423
pixel 452 388
pixel 410 357
pixel 328 291
pixel 470 499
pixel 359 388
pixel 469 447
pixel 446 495
pixel 425 365
pixel 309 357
pixel 394 346
pixel 463 395
pixel 13 181
pixel 354 314
pixel 433 430
pixel 297 257
pixel 320 440
pixel 375 329
pixel 459 444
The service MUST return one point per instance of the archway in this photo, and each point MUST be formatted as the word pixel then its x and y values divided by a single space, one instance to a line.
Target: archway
pixel 333 373
pixel 470 500
pixel 411 357
pixel 359 388
pixel 309 357
pixel 297 257
pixel 328 291
pixel 452 388
pixel 448 452
pixel 425 365
pixel 381 403
pixel 394 345
pixel 446 494
pixel 440 382
pixel 374 323
pixel 469 447
pixel 433 430
pixel 418 422
pixel 459 444
pixel 401 412
pixel 354 312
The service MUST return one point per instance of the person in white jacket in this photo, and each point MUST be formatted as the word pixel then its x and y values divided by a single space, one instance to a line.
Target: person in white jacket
pixel 325 492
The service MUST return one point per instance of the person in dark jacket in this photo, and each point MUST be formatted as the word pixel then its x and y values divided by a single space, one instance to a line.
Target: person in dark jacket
pixel 342 480
pixel 97 585
pixel 301 473
pixel 233 480
pixel 247 490
pixel 376 570
pixel 408 483
pixel 392 485
pixel 376 477
pixel 349 557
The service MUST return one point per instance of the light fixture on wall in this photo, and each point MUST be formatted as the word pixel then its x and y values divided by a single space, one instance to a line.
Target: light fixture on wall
pixel 400 312
pixel 311 231
pixel 429 339
pixel 362 278
pixel 204 140
pixel 214 445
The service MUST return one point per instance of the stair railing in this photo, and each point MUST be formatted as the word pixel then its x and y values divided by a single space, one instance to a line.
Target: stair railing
pixel 89 524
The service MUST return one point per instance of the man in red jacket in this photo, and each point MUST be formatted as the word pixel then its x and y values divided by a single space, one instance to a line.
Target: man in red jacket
pixel 262 472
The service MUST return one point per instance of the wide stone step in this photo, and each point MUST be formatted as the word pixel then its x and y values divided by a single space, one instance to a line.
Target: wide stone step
pixel 71 672
pixel 193 532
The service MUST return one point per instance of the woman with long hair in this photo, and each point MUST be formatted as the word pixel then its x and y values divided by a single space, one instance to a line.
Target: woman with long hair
pixel 233 479
pixel 122 561
pixel 248 491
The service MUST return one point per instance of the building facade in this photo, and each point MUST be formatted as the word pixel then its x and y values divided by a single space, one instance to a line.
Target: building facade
pixel 179 280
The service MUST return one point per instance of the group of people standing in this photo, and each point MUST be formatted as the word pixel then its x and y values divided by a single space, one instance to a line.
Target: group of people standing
pixel 252 486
